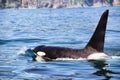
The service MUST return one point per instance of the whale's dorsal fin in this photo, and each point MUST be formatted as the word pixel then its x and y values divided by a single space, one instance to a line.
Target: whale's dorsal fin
pixel 97 40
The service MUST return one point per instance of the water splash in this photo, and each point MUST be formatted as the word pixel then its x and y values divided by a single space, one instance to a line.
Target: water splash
pixel 115 57
pixel 22 50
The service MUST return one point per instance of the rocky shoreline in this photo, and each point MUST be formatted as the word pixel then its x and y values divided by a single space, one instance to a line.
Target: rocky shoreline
pixel 31 4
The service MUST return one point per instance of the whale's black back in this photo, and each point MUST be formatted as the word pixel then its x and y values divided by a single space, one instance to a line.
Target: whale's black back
pixel 96 44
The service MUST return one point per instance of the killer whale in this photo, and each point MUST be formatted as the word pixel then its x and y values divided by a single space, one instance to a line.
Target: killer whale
pixel 94 46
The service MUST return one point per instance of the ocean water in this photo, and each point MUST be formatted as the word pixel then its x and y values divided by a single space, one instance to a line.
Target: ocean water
pixel 28 28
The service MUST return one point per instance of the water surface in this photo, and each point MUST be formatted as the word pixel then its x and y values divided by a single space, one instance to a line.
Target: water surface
pixel 56 27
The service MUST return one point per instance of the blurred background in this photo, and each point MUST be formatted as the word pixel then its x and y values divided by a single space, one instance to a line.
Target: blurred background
pixel 56 3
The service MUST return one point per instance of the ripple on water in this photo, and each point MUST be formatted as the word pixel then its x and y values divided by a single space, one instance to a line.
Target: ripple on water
pixel 51 27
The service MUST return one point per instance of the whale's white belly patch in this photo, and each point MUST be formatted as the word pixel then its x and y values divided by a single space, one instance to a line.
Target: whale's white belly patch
pixel 97 56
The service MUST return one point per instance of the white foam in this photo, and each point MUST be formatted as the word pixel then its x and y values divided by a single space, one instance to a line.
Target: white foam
pixel 104 56
pixel 69 59
pixel 22 50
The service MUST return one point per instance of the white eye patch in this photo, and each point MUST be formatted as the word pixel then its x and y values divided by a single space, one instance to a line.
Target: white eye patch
pixel 40 53
pixel 39 56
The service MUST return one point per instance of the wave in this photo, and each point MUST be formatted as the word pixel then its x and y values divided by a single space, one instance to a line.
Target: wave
pixel 21 40
pixel 114 31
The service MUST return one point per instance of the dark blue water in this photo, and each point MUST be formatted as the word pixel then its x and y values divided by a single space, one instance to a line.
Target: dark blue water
pixel 72 28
